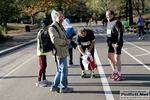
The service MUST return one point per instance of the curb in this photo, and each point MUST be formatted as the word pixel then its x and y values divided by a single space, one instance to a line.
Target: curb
pixel 3 52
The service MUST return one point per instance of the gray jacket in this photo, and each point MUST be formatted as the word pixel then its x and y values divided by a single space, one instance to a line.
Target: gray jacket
pixel 59 40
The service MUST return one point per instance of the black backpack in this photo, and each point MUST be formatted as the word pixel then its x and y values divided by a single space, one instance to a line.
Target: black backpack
pixel 46 44
pixel 45 41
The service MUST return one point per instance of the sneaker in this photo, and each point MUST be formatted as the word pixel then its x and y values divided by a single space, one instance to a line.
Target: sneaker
pixel 118 78
pixel 139 38
pixel 92 75
pixel 70 64
pixel 113 75
pixel 54 89
pixel 66 90
pixel 83 74
pixel 46 81
pixel 40 84
pixel 143 37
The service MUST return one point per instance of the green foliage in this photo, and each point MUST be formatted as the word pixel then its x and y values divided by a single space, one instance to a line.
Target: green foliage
pixel 38 9
pixel 102 16
pixel 8 10
pixel 81 11
pixel 1 30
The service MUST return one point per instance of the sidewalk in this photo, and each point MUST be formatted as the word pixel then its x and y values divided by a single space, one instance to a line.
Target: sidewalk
pixel 19 40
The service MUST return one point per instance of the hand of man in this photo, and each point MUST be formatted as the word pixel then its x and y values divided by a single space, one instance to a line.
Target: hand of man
pixel 116 45
pixel 68 41
pixel 89 49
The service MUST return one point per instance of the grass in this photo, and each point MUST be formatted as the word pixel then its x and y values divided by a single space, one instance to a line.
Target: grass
pixel 17 28
pixel 14 26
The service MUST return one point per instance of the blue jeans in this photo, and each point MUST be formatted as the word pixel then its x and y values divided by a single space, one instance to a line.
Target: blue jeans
pixel 61 76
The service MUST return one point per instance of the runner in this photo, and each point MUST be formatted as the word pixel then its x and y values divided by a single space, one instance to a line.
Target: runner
pixel 115 43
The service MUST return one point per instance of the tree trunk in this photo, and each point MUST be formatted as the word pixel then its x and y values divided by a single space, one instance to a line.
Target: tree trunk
pixel 32 19
pixel 143 7
pixel 138 6
pixel 130 13
pixel 126 10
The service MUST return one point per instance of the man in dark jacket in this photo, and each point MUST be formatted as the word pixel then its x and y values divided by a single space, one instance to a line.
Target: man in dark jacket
pixel 115 43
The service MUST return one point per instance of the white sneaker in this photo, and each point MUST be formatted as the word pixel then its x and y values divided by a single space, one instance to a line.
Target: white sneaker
pixel 139 38
pixel 40 84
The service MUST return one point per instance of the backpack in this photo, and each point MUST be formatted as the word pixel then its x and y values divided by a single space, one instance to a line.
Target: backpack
pixel 45 41
pixel 46 44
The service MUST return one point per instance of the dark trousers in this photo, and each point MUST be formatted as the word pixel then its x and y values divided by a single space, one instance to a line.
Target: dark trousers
pixel 92 53
pixel 141 30
pixel 71 55
pixel 42 68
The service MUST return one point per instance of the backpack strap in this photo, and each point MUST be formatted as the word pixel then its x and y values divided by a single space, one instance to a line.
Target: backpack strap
pixel 55 28
pixel 40 39
pixel 55 49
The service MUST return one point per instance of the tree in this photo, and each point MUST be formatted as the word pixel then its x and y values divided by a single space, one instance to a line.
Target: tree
pixel 30 8
pixel 106 4
pixel 121 8
pixel 130 13
pixel 33 7
pixel 143 6
pixel 8 10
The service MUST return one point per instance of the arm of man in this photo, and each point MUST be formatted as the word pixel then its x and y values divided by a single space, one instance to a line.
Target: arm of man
pixel 92 37
pixel 79 46
pixel 137 21
pixel 81 50
pixel 92 45
pixel 119 29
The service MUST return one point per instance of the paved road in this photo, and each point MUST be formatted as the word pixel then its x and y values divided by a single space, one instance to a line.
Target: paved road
pixel 18 72
pixel 19 40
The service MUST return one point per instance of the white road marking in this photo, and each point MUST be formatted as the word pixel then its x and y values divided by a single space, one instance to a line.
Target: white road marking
pixel 140 62
pixel 142 54
pixel 129 47
pixel 137 46
pixel 105 84
pixel 16 68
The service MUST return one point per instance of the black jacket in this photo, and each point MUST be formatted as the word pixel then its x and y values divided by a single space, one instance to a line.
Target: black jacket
pixel 116 28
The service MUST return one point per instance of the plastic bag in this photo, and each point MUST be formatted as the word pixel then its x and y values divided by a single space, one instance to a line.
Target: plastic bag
pixel 88 62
